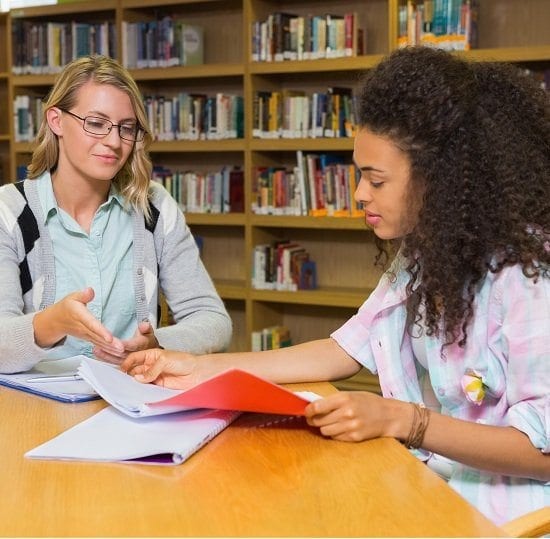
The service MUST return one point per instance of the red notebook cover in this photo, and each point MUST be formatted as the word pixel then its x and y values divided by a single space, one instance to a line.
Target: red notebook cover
pixel 239 390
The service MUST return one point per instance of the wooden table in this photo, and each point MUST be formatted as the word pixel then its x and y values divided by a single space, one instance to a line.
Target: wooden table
pixel 249 481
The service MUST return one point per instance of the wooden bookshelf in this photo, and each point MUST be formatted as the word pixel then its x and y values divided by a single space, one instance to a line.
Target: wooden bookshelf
pixel 5 99
pixel 509 30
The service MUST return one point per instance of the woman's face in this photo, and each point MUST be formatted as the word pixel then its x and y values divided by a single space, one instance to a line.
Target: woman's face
pixel 383 189
pixel 83 154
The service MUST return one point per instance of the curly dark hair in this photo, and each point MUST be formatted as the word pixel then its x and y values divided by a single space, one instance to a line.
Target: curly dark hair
pixel 477 135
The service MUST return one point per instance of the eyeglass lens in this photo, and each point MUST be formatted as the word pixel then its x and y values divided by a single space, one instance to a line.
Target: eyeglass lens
pixel 102 126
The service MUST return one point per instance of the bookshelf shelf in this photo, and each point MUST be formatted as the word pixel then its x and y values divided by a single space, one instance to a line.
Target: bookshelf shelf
pixel 312 144
pixel 23 147
pixel 326 296
pixel 228 289
pixel 216 219
pixel 189 72
pixel 342 247
pixel 229 145
pixel 30 81
pixel 540 53
pixel 149 3
pixel 320 223
pixel 71 9
pixel 357 63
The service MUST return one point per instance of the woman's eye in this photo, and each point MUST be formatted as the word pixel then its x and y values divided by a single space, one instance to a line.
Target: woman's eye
pixel 376 185
pixel 129 129
pixel 96 124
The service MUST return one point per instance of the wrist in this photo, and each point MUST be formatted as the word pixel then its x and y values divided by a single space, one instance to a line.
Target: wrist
pixel 400 416
pixel 44 329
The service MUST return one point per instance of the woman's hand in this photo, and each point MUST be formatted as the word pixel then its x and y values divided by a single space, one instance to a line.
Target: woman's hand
pixel 70 316
pixel 175 370
pixel 143 339
pixel 355 416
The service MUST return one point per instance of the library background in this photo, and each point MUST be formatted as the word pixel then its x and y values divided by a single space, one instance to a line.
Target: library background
pixel 251 105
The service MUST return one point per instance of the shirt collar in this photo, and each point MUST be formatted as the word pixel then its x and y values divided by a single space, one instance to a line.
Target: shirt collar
pixel 49 202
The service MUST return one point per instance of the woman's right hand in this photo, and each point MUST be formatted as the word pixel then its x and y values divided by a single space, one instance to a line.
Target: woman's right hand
pixel 175 370
pixel 70 316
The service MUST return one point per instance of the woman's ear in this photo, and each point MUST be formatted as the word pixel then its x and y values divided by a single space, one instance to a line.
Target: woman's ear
pixel 53 115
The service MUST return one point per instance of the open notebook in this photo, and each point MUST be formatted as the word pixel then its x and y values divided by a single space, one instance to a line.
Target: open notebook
pixel 56 379
pixel 155 425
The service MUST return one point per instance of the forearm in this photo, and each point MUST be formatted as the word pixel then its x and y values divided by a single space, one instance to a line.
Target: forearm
pixel 201 333
pixel 18 350
pixel 309 362
pixel 486 447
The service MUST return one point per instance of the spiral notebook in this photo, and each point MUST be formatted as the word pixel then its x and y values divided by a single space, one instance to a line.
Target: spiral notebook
pixel 111 436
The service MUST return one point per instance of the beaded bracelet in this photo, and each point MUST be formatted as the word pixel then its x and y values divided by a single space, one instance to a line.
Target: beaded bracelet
pixel 421 419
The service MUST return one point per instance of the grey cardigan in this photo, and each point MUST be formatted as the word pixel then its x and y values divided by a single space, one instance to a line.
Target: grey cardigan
pixel 165 257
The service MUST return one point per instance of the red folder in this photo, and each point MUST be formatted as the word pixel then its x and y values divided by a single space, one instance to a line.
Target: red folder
pixel 238 390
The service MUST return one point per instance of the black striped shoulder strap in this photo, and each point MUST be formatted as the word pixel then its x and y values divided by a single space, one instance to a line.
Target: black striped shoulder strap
pixel 29 229
pixel 151 223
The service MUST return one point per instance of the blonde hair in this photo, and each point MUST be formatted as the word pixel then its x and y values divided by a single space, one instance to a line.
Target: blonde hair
pixel 134 177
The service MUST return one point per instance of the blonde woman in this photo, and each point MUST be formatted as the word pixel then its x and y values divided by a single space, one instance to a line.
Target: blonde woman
pixel 87 241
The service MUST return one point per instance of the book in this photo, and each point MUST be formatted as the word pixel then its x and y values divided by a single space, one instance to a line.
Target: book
pixel 192 44
pixel 111 436
pixel 57 379
pixel 233 389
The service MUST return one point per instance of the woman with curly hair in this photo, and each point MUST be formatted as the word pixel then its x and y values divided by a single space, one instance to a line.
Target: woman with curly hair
pixel 87 241
pixel 454 159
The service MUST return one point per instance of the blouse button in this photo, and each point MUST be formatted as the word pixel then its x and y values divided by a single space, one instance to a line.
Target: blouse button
pixel 440 391
pixel 139 271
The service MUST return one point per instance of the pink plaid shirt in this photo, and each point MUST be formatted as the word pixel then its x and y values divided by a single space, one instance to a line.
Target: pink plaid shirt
pixel 501 377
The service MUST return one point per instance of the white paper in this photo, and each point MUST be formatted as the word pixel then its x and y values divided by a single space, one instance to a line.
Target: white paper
pixel 123 391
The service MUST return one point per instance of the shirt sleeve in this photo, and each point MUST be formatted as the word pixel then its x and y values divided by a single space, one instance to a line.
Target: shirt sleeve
pixel 202 324
pixel 525 334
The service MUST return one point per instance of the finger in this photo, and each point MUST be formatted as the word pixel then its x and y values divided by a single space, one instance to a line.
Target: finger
pixel 321 407
pixel 145 328
pixel 134 360
pixel 83 296
pixel 151 372
pixel 102 355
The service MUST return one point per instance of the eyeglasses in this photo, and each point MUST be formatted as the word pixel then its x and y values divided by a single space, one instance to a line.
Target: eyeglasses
pixel 101 126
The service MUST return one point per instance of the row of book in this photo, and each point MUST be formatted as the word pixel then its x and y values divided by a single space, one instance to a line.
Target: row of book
pixel 445 24
pixel 27 115
pixel 188 116
pixel 165 42
pixel 45 47
pixel 283 265
pixel 319 185
pixel 182 117
pixel 293 114
pixel 288 36
pixel 271 338
pixel 220 191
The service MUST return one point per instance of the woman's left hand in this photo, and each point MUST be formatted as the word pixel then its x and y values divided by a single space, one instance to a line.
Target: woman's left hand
pixel 354 416
pixel 143 339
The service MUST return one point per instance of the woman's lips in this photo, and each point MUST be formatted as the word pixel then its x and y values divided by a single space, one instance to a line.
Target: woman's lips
pixel 373 219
